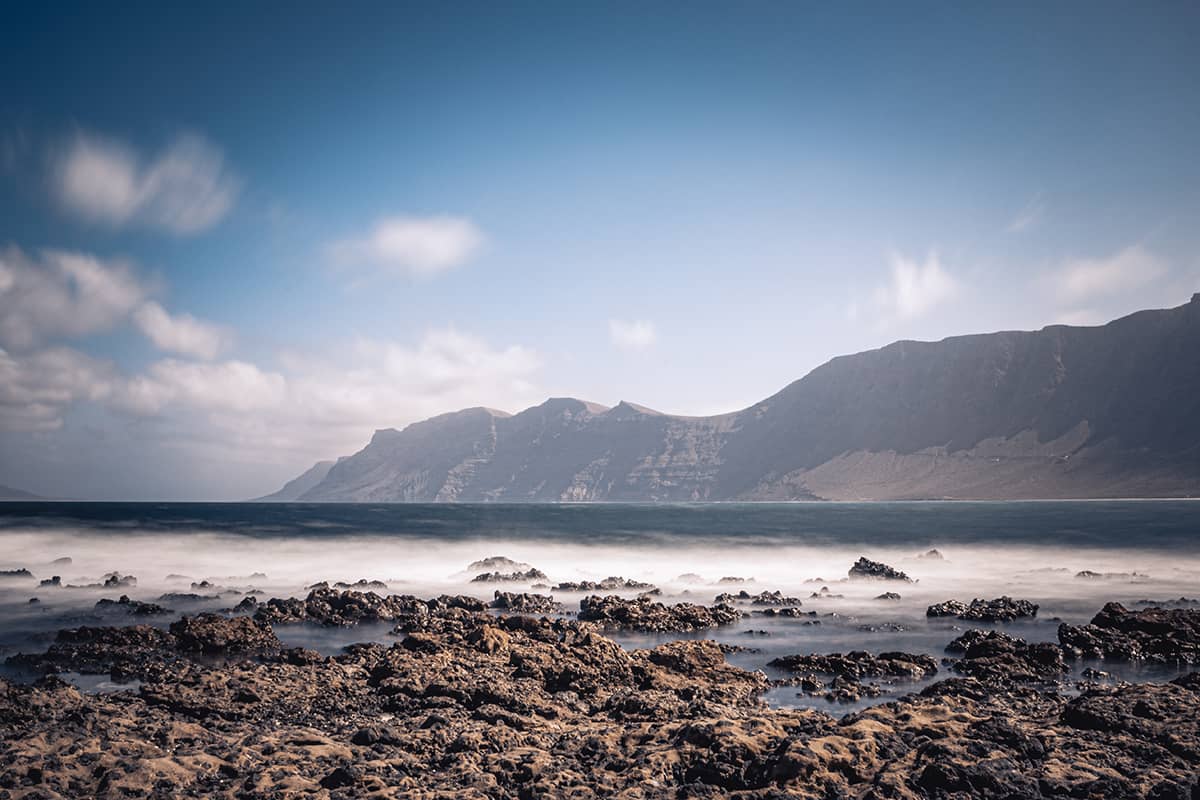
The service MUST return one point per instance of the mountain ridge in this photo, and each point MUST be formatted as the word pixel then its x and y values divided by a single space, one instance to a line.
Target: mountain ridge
pixel 1065 411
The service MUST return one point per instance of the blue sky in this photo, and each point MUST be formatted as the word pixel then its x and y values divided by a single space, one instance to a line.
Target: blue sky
pixel 234 241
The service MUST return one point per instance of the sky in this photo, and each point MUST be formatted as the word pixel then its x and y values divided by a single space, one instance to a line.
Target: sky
pixel 234 241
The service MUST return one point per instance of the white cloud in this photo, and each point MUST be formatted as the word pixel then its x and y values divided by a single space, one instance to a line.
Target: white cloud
pixel 414 246
pixel 181 333
pixel 232 386
pixel 1029 216
pixel 184 190
pixel 1126 270
pixel 632 334
pixel 62 295
pixel 314 407
pixel 915 289
pixel 37 388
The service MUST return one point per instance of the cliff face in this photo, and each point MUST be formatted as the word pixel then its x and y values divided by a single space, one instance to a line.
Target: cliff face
pixel 1061 412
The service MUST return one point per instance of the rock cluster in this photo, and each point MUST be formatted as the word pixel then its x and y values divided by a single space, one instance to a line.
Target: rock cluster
pixel 1001 609
pixel 764 598
pixel 526 603
pixel 609 584
pixel 995 656
pixel 478 706
pixel 849 671
pixel 135 607
pixel 867 569
pixel 644 614
pixel 528 575
pixel 1161 635
pixel 347 607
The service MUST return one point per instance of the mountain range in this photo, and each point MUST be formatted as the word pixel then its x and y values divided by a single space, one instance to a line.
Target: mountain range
pixel 1063 412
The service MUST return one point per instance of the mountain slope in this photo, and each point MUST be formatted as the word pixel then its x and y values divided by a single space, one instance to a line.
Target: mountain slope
pixel 299 485
pixel 1065 411
pixel 9 493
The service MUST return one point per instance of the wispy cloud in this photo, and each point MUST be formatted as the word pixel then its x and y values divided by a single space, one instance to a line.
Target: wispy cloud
pixel 632 334
pixel 180 333
pixel 915 288
pixel 412 246
pixel 1123 271
pixel 184 190
pixel 62 295
pixel 1029 216
pixel 37 388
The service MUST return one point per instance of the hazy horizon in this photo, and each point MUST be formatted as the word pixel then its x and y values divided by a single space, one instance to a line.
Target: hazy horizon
pixel 221 263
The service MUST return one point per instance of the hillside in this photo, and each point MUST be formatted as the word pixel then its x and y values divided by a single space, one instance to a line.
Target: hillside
pixel 1106 411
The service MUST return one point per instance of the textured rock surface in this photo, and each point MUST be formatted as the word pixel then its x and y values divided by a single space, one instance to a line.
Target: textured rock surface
pixel 644 614
pixel 1162 635
pixel 1001 609
pixel 866 569
pixel 476 706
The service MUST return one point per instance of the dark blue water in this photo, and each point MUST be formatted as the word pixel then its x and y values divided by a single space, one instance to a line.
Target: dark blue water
pixel 1162 525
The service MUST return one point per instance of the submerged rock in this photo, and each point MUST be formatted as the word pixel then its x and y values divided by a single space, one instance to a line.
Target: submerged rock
pixel 1087 574
pixel 866 569
pixel 526 603
pixel 348 607
pixel 1158 635
pixel 135 607
pixel 764 598
pixel 497 564
pixel 1001 609
pixel 644 614
pixel 513 577
pixel 610 584
pixel 888 596
pixel 15 574
pixel 850 670
pixel 362 584
pixel 996 656
pixel 214 634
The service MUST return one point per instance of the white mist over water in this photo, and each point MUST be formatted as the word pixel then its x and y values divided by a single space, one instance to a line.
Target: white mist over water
pixel 429 564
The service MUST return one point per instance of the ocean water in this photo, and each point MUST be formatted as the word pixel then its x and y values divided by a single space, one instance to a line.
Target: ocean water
pixel 1150 549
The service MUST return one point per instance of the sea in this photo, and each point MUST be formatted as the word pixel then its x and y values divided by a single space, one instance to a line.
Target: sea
pixel 1068 557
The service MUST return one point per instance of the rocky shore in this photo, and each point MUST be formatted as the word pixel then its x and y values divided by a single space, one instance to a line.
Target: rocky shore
pixel 474 702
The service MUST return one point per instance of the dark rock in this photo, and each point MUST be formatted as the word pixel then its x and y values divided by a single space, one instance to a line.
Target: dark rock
pixel 55 580
pixel 503 577
pixel 249 603
pixel 1157 635
pixel 213 634
pixel 888 596
pixel 340 778
pixel 525 603
pixel 643 614
pixel 362 584
pixel 15 574
pixel 1001 609
pixel 764 598
pixel 1087 574
pixel 932 555
pixel 497 564
pixel 610 584
pixel 128 606
pixel 115 580
pixel 995 656
pixel 865 569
